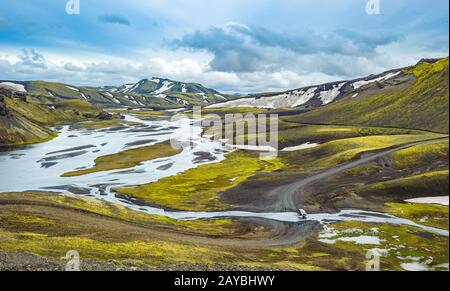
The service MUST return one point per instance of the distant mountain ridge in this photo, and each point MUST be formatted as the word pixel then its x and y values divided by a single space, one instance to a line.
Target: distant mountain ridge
pixel 416 98
pixel 154 92
pixel 160 85
pixel 323 94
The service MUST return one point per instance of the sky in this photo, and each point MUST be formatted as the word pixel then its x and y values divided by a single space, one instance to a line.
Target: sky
pixel 244 46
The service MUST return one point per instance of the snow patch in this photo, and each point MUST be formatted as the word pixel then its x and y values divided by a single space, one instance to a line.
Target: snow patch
pixel 165 87
pixel 329 95
pixel 72 88
pixel 288 99
pixel 414 266
pixel 220 97
pixel 442 200
pixel 362 83
pixel 304 146
pixel 14 86
pixel 253 148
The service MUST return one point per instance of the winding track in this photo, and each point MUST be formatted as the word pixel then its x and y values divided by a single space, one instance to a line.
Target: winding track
pixel 281 233
pixel 287 194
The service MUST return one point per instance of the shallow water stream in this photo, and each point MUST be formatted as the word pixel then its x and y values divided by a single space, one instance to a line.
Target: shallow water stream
pixel 39 167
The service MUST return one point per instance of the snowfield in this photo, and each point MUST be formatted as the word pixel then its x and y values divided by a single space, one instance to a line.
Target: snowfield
pixel 72 88
pixel 330 95
pixel 288 99
pixel 14 86
pixel 325 94
pixel 165 87
pixel 362 83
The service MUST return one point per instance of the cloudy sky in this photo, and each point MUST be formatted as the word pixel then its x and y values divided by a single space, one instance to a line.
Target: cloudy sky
pixel 230 45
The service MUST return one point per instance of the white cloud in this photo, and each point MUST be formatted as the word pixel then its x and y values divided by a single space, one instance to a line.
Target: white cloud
pixel 298 71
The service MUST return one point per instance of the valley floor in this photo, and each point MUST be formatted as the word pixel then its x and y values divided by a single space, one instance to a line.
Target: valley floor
pixel 361 168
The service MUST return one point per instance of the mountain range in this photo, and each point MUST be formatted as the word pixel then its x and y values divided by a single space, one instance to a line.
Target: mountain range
pixel 154 92
pixel 414 97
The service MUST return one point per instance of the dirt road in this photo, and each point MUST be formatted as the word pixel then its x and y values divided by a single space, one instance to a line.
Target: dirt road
pixel 287 194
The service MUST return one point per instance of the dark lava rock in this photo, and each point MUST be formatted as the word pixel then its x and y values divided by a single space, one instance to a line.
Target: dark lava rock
pixel 105 116
pixel 71 188
pixel 165 167
pixel 48 164
pixel 61 157
pixel 3 110
pixel 202 157
pixel 72 149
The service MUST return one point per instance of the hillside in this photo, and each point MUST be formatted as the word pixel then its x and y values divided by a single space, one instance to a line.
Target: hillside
pixel 23 121
pixel 16 129
pixel 417 99
pixel 155 92
pixel 316 95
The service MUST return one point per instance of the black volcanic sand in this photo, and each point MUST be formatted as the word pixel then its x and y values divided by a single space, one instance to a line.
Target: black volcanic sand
pixel 48 164
pixel 140 142
pixel 165 167
pixel 329 190
pixel 132 171
pixel 71 188
pixel 72 149
pixel 62 157
pixel 201 157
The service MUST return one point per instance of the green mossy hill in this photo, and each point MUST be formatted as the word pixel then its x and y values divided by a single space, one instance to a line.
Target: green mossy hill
pixel 422 155
pixel 425 214
pixel 433 183
pixel 23 121
pixel 199 189
pixel 49 225
pixel 128 158
pixel 421 103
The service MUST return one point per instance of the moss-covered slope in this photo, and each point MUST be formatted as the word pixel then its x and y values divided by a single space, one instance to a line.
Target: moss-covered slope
pixel 23 122
pixel 419 103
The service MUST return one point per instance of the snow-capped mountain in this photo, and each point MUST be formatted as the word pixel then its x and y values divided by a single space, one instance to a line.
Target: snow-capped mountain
pixel 163 86
pixel 155 92
pixel 185 94
pixel 314 96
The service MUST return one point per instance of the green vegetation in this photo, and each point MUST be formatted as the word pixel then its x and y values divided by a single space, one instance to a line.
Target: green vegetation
pixel 25 121
pixel 426 184
pixel 423 154
pixel 47 222
pixel 17 130
pixel 128 158
pixel 342 150
pixel 49 225
pixel 396 244
pixel 73 110
pixel 297 135
pixel 425 214
pixel 198 189
pixel 420 104
pixel 55 89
